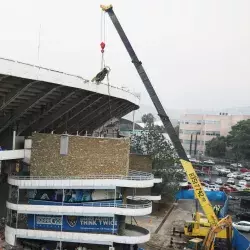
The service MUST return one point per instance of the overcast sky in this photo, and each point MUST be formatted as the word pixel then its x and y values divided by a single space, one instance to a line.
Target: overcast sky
pixel 196 53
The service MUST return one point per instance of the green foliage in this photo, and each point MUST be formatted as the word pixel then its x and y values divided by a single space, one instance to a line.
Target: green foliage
pixel 153 142
pixel 169 185
pixel 177 130
pixel 148 120
pixel 235 146
pixel 239 140
pixel 216 147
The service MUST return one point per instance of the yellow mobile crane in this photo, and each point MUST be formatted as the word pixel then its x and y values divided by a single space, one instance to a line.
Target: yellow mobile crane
pixel 198 227
pixel 224 224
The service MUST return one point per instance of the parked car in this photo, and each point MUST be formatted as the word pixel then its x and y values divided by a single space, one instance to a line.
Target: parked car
pixel 233 188
pixel 244 170
pixel 209 162
pixel 242 183
pixel 204 184
pixel 224 171
pixel 193 160
pixel 231 181
pixel 226 188
pixel 241 176
pixel 217 168
pixel 213 187
pixel 242 226
pixel 246 178
pixel 207 180
pixel 234 175
pixel 185 185
pixel 239 187
pixel 231 175
pixel 243 216
pixel 219 181
pixel 199 172
pixel 237 165
pixel 233 197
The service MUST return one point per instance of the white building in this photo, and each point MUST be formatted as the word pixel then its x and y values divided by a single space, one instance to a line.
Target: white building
pixel 205 127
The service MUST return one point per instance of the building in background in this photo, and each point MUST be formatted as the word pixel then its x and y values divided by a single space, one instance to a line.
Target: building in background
pixel 204 128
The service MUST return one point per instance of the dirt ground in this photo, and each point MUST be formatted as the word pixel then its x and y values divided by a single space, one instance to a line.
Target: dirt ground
pixel 161 240
pixel 152 221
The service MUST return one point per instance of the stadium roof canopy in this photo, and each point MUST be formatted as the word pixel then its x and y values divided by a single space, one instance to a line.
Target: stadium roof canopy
pixel 39 99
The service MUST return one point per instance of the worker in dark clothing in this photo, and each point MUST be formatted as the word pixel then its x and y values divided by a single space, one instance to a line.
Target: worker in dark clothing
pixel 101 75
pixel 135 247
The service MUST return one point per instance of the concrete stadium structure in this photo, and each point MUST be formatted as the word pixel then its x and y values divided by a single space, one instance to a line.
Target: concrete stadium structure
pixel 35 100
pixel 38 99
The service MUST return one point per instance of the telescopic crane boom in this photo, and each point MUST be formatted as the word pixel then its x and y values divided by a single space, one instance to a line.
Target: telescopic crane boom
pixel 192 176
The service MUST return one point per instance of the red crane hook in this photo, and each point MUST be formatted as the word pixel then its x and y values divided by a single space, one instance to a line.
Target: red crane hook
pixel 102 46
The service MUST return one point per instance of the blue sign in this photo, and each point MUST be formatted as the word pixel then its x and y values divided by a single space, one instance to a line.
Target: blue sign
pixel 73 223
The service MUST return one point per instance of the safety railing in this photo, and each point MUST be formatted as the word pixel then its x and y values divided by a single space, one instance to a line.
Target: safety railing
pixel 143 204
pixel 133 175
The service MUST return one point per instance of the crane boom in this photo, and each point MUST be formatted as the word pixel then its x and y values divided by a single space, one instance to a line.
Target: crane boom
pixel 192 176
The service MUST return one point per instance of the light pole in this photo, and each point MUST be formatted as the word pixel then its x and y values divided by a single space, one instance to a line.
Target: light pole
pixel 195 143
pixel 190 146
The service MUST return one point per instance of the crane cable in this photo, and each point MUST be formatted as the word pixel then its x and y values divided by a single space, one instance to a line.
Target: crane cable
pixel 103 39
pixel 103 36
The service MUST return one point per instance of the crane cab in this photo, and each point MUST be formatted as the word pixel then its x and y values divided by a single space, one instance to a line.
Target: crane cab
pixel 194 244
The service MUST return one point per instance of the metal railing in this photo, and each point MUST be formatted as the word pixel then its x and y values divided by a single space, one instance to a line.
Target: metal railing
pixel 133 175
pixel 143 204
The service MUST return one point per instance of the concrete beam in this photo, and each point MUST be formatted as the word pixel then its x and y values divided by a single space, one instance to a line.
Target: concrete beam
pixel 2 77
pixel 118 113
pixel 30 120
pixel 7 121
pixel 99 113
pixel 62 111
pixel 14 94
pixel 75 123
pixel 105 116
pixel 73 118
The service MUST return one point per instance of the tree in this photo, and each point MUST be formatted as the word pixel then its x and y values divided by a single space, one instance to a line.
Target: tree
pixel 216 147
pixel 177 130
pixel 153 142
pixel 148 120
pixel 239 140
pixel 170 184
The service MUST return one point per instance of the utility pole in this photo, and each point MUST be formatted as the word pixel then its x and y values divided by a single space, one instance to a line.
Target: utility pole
pixel 195 143
pixel 190 146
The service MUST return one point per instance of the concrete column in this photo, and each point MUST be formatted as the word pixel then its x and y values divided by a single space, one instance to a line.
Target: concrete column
pixel 124 192
pixel 14 140
pixel 122 218
pixel 27 150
